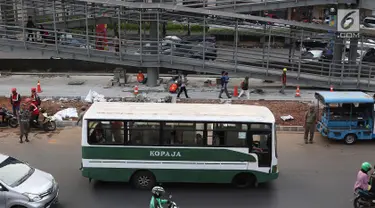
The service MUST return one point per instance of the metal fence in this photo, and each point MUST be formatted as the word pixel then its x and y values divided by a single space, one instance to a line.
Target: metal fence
pixel 198 42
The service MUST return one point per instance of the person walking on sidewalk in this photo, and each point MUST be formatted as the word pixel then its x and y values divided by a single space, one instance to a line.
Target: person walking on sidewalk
pixel 283 81
pixel 310 121
pixel 15 101
pixel 245 88
pixel 182 81
pixel 224 84
pixel 24 120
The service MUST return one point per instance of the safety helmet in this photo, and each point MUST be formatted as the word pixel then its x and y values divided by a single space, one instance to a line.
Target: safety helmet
pixel 14 90
pixel 27 100
pixel 284 70
pixel 158 191
pixel 366 166
pixel 33 89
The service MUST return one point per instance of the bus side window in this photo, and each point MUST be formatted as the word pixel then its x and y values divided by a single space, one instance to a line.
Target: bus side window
pixel 144 133
pixel 190 134
pixel 227 134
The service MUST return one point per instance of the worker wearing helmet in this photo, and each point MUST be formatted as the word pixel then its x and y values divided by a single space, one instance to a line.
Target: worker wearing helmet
pixel 362 182
pixel 156 201
pixel 34 112
pixel 15 101
pixel 283 81
pixel 35 97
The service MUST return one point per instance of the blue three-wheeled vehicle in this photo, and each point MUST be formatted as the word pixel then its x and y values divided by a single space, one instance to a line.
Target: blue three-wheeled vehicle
pixel 347 116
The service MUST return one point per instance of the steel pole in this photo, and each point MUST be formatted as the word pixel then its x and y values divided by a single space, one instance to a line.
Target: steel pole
pixel 158 33
pixel 268 49
pixel 23 25
pixel 119 31
pixel 360 64
pixel 140 35
pixel 300 55
pixel 54 25
pixel 204 41
pixel 236 47
pixel 87 30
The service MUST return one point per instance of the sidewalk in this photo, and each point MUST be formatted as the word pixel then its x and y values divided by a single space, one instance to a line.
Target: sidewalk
pixel 58 87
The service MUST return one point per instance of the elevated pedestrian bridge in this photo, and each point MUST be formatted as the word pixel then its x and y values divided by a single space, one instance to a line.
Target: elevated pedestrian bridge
pixel 315 76
pixel 151 51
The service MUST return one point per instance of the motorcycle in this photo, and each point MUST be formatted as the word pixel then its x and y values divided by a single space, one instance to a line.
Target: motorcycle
pixel 364 199
pixel 9 119
pixel 172 204
pixel 48 123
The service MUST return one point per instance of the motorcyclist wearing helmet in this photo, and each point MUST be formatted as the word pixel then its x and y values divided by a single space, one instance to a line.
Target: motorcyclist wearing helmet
pixel 156 201
pixel 362 182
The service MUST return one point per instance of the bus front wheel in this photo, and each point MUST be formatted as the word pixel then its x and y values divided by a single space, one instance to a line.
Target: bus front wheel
pixel 244 180
pixel 143 180
pixel 350 139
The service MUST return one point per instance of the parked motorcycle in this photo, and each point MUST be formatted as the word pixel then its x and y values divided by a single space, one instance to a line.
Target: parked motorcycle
pixel 48 123
pixel 9 118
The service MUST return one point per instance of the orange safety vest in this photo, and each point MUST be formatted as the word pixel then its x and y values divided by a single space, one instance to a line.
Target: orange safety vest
pixel 140 77
pixel 173 88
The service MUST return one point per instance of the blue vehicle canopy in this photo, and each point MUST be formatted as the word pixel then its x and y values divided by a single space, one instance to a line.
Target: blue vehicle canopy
pixel 327 97
pixel 346 116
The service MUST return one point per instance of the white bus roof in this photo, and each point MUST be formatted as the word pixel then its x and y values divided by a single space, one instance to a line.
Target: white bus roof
pixel 179 112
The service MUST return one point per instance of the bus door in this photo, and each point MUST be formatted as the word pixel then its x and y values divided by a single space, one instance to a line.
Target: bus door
pixel 260 143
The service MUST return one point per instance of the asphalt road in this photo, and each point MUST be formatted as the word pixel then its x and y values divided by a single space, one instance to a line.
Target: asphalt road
pixel 313 175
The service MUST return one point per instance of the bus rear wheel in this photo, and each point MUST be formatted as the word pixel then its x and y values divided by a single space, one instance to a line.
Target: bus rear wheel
pixel 350 139
pixel 244 180
pixel 143 180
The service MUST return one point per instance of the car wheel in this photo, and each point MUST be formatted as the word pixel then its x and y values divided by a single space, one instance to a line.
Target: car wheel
pixel 350 139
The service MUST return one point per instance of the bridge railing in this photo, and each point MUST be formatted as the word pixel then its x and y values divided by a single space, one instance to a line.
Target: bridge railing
pixel 203 53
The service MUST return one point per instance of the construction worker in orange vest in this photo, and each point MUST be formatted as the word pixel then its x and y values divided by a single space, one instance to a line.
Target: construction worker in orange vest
pixel 35 97
pixel 15 101
pixel 173 87
pixel 141 78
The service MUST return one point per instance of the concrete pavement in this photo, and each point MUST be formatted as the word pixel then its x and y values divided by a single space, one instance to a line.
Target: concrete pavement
pixel 311 176
pixel 58 86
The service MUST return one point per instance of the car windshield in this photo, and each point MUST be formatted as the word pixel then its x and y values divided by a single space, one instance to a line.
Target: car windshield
pixel 14 172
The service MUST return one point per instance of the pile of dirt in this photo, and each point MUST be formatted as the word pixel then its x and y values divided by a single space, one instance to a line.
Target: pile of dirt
pixel 50 106
pixel 278 108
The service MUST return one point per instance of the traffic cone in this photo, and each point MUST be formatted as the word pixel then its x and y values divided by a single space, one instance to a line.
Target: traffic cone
pixel 136 90
pixel 331 88
pixel 297 92
pixel 38 88
pixel 235 93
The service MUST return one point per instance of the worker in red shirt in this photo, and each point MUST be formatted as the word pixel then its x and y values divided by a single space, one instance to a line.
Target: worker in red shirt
pixel 283 81
pixel 34 120
pixel 35 97
pixel 15 101
pixel 141 78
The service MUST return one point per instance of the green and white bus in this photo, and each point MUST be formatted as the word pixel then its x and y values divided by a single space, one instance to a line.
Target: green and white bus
pixel 150 143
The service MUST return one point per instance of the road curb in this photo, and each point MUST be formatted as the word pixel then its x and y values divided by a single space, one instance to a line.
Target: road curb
pixel 62 124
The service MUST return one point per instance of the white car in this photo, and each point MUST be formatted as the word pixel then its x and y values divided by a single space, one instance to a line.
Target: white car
pixel 24 186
